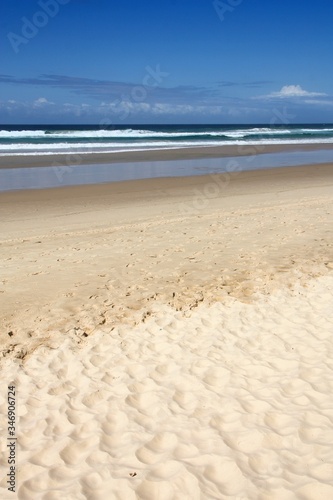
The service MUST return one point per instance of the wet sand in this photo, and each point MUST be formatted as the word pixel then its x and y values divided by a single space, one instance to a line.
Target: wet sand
pixel 152 155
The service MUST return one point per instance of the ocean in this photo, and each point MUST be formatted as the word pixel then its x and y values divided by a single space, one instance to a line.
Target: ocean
pixel 81 139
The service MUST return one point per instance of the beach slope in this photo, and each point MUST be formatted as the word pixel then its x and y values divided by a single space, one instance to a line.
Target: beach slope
pixel 171 338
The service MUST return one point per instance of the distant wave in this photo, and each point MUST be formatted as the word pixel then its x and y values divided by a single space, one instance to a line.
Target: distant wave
pixel 55 139
pixel 146 133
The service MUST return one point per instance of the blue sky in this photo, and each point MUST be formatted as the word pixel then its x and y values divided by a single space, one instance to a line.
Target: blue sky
pixel 166 61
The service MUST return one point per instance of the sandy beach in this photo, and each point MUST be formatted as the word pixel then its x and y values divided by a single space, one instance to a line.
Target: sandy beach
pixel 170 338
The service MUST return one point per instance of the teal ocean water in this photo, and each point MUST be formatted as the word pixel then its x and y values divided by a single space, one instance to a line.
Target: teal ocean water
pixel 51 139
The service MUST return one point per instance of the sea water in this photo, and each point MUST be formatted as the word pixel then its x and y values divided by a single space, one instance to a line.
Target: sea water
pixel 82 139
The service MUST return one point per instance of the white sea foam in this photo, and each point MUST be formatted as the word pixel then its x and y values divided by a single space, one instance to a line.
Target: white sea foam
pixel 85 134
pixel 80 148
pixel 14 134
pixel 146 133
pixel 256 131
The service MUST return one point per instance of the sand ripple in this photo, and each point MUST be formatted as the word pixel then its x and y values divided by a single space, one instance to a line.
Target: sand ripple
pixel 232 401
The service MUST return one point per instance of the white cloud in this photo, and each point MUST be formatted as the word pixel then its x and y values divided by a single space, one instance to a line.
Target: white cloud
pixel 288 91
pixel 41 101
pixel 323 102
pixel 158 108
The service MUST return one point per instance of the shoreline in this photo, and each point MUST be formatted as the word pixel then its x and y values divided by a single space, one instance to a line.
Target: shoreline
pixel 76 159
pixel 228 184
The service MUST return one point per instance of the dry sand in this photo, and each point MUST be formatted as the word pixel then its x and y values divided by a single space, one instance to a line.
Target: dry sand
pixel 171 338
